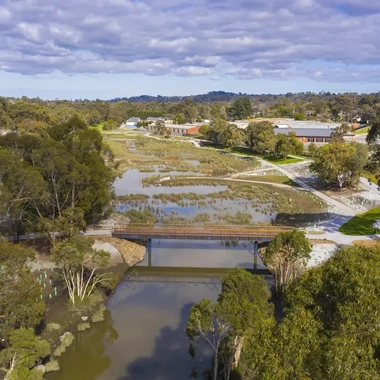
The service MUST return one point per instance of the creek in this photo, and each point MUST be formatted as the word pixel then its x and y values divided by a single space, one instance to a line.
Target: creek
pixel 143 335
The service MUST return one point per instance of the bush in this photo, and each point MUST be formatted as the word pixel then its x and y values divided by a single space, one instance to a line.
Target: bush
pixel 83 326
pixel 99 314
pixel 53 327
pixel 67 340
pixel 52 366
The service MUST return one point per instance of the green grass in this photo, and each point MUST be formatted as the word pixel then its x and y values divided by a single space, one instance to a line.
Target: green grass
pixel 279 160
pixel 370 176
pixel 280 179
pixel 361 131
pixel 361 224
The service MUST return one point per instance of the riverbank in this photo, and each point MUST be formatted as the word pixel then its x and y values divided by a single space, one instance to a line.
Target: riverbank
pixel 63 320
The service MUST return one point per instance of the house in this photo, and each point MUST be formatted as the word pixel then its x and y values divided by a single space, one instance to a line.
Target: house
pixel 307 124
pixel 181 130
pixel 308 135
pixel 132 121
pixel 154 119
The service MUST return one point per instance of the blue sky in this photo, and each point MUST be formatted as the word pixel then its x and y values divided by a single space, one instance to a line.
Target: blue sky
pixel 113 48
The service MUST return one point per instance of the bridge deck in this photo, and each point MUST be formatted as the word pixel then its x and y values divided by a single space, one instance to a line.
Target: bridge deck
pixel 199 232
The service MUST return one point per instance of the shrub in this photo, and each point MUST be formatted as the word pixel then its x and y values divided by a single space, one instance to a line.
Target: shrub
pixel 99 314
pixel 67 340
pixel 83 326
pixel 52 366
pixel 53 327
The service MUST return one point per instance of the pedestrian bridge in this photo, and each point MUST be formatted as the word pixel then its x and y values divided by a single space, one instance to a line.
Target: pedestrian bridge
pixel 206 232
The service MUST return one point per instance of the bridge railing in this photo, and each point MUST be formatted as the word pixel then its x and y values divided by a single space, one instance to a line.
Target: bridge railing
pixel 209 227
pixel 225 231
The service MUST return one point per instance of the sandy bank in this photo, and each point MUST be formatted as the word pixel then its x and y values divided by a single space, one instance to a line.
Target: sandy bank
pixel 121 250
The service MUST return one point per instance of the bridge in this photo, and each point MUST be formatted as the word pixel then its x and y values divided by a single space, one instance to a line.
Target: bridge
pixel 206 232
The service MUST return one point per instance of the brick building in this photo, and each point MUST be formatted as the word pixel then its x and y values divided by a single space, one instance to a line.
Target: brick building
pixel 308 135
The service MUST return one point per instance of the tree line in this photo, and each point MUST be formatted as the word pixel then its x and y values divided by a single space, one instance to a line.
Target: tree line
pixel 324 327
pixel 33 114
pixel 53 183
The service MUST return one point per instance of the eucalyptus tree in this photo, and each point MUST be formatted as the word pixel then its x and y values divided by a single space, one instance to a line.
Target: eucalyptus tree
pixel 21 355
pixel 285 255
pixel 242 305
pixel 20 303
pixel 79 264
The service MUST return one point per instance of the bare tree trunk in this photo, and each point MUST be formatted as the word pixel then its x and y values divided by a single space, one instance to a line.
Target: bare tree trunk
pixel 11 369
pixel 238 345
pixel 216 363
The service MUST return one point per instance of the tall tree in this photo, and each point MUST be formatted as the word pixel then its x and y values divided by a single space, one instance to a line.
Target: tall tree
pixel 261 137
pixel 241 306
pixel 285 255
pixel 20 304
pixel 340 164
pixel 241 108
pixel 288 144
pixel 225 134
pixel 79 265
pixel 206 323
pixel 22 354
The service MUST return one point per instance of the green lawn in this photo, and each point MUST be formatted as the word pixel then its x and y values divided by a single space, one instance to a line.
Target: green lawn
pixel 361 131
pixel 281 179
pixel 361 224
pixel 370 176
pixel 280 161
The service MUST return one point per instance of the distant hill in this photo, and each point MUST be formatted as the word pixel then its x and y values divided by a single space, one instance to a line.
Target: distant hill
pixel 213 96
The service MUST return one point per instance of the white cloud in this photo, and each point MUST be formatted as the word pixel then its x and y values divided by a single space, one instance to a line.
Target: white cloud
pixel 320 39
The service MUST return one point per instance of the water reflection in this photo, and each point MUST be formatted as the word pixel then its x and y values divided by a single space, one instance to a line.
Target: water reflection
pixel 86 359
pixel 143 336
pixel 201 254
pixel 131 183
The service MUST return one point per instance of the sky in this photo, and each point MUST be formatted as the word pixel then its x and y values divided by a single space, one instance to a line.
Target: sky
pixel 72 49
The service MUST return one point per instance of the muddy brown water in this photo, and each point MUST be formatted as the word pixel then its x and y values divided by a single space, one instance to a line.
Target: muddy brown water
pixel 143 335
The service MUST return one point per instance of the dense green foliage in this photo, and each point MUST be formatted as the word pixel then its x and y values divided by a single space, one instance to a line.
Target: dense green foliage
pixel 242 305
pixel 361 224
pixel 285 255
pixel 78 263
pixel 33 115
pixel 21 355
pixel 21 311
pixel 20 304
pixel 339 164
pixel 260 137
pixel 57 181
pixel 224 134
pixel 241 108
pixel 329 330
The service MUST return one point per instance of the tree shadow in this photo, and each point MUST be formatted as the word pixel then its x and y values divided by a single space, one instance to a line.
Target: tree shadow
pixel 170 359
pixel 86 358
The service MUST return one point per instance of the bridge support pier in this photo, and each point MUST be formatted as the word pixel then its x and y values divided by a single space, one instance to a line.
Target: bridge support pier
pixel 255 253
pixel 149 250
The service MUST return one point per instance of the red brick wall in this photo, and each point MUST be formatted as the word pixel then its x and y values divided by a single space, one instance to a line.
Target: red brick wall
pixel 192 130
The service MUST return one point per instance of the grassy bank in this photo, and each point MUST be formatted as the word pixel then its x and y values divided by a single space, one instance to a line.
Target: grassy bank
pixel 279 179
pixel 362 131
pixel 370 176
pixel 361 224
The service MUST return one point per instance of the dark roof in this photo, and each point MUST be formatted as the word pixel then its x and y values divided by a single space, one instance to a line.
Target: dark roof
pixel 133 120
pixel 305 132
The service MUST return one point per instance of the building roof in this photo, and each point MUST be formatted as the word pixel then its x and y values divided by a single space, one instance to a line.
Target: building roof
pixel 305 132
pixel 133 120
pixel 181 126
pixel 155 118
pixel 307 124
